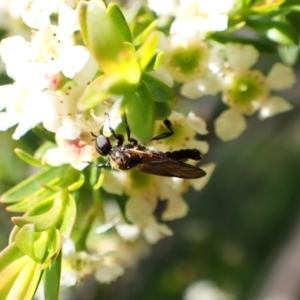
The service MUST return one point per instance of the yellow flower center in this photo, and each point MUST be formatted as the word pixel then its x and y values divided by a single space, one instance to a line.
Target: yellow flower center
pixel 186 63
pixel 247 91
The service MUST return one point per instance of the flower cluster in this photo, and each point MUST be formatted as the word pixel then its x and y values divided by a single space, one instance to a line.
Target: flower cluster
pixel 67 77
pixel 205 70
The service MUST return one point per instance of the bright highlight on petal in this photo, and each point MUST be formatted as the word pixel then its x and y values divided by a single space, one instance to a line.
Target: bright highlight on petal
pixel 274 106
pixel 230 125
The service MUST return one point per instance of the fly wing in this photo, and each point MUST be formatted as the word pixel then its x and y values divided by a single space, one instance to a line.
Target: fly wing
pixel 169 167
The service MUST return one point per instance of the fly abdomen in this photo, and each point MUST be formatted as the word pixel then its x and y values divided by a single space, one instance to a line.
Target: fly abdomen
pixel 184 154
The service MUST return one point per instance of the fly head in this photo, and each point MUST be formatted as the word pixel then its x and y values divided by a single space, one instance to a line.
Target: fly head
pixel 103 145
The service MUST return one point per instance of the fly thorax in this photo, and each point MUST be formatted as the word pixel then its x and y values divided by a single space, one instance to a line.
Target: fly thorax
pixel 120 159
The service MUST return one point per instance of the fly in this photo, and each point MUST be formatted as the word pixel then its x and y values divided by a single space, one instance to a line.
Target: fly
pixel 136 156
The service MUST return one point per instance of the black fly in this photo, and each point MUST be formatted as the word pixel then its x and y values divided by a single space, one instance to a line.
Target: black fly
pixel 137 156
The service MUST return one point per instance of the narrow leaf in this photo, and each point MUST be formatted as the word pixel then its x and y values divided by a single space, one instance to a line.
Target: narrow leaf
pixel 52 279
pixel 32 184
pixel 119 20
pixel 28 158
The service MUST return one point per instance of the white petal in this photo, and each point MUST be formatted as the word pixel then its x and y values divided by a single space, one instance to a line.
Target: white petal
pixel 7 121
pixel 206 290
pixel 164 75
pixel 69 130
pixel 114 182
pixel 176 208
pixel 274 106
pixel 73 60
pixel 128 232
pixel 68 277
pixel 36 20
pixel 281 77
pixel 205 86
pixel 107 274
pixel 203 146
pixel 54 157
pixel 162 9
pixel 199 184
pixel 230 125
pixel 7 94
pixel 25 124
pixel 138 210
pixel 241 57
pixel 155 231
pixel 288 53
pixel 68 247
pixel 68 19
pixel 197 123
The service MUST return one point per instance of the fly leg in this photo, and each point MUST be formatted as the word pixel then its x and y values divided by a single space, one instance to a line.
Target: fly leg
pixel 130 139
pixel 118 137
pixel 164 135
pixel 102 165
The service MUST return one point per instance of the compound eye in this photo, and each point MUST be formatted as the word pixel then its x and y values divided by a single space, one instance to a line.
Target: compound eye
pixel 103 145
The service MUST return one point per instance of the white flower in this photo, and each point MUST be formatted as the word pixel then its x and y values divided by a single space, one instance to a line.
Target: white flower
pixel 248 91
pixel 206 290
pixel 23 107
pixel 191 61
pixel 165 8
pixel 50 51
pixel 107 274
pixel 76 152
pixel 36 98
pixel 185 129
pixel 193 16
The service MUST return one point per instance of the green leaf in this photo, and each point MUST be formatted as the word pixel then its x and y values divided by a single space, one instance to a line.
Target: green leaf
pixel 156 61
pixel 29 186
pixel 101 89
pixel 96 92
pixel 42 149
pixel 280 32
pixel 68 217
pixel 83 227
pixel 77 184
pixel 266 6
pixel 54 247
pixel 262 45
pixel 9 255
pixel 28 158
pixel 38 198
pixel 52 279
pixel 162 110
pixel 139 108
pixel 291 5
pixel 119 20
pixel 26 240
pixel 19 279
pixel 9 275
pixel 42 221
pixel 159 90
pixel 102 37
pixel 43 134
pixel 142 37
pixel 147 51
